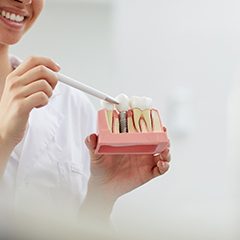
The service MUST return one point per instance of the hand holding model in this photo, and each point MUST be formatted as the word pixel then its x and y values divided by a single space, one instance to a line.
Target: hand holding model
pixel 113 175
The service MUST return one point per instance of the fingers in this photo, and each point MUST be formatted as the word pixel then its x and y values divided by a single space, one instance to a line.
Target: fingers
pixel 91 142
pixel 37 73
pixel 32 83
pixel 163 156
pixel 162 161
pixel 32 62
pixel 162 167
pixel 38 86
pixel 36 80
pixel 36 100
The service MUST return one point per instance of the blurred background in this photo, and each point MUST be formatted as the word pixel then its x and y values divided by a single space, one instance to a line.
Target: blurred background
pixel 185 55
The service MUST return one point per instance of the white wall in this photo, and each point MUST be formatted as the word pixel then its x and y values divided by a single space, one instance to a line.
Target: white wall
pixel 155 48
pixel 160 47
pixel 78 36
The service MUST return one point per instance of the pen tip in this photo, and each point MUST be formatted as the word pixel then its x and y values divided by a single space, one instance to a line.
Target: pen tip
pixel 111 100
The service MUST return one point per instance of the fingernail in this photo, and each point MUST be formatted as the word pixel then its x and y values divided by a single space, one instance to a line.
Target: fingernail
pixel 91 137
pixel 58 66
pixel 165 164
pixel 162 164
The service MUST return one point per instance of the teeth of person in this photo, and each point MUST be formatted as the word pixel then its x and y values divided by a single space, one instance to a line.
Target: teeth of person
pixel 123 100
pixel 12 16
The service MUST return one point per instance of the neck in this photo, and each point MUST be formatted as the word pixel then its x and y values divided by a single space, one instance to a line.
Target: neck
pixel 5 66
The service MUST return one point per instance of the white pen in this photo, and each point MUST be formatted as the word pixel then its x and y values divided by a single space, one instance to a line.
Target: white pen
pixel 85 88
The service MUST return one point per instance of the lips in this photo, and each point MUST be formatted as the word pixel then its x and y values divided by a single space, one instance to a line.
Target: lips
pixel 12 16
pixel 14 19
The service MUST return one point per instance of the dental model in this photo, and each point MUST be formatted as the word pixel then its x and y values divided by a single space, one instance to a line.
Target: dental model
pixel 133 127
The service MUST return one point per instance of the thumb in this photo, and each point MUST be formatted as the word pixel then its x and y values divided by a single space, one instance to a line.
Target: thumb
pixel 91 142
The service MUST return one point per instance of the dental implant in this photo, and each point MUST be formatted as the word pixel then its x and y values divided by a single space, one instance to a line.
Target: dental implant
pixel 123 107
pixel 123 128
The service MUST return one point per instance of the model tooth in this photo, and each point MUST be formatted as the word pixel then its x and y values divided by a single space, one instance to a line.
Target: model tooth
pixel 109 113
pixel 147 120
pixel 109 119
pixel 134 102
pixel 123 100
pixel 148 102
pixel 115 122
pixel 137 114
pixel 143 125
pixel 140 102
pixel 130 122
pixel 147 123
pixel 141 110
pixel 157 125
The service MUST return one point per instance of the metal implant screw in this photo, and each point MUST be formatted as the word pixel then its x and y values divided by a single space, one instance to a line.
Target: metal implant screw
pixel 123 122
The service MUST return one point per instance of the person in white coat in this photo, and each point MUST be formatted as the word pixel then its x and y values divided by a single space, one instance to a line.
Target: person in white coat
pixel 47 137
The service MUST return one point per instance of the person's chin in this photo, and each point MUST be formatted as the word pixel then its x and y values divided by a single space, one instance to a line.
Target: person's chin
pixel 11 40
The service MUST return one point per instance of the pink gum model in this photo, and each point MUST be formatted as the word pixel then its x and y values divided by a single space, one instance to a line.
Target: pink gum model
pixel 128 143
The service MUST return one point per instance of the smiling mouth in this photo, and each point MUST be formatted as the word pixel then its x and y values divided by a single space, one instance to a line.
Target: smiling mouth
pixel 15 18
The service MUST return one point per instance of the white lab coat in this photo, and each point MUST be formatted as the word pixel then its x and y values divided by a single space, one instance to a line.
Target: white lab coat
pixel 51 167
